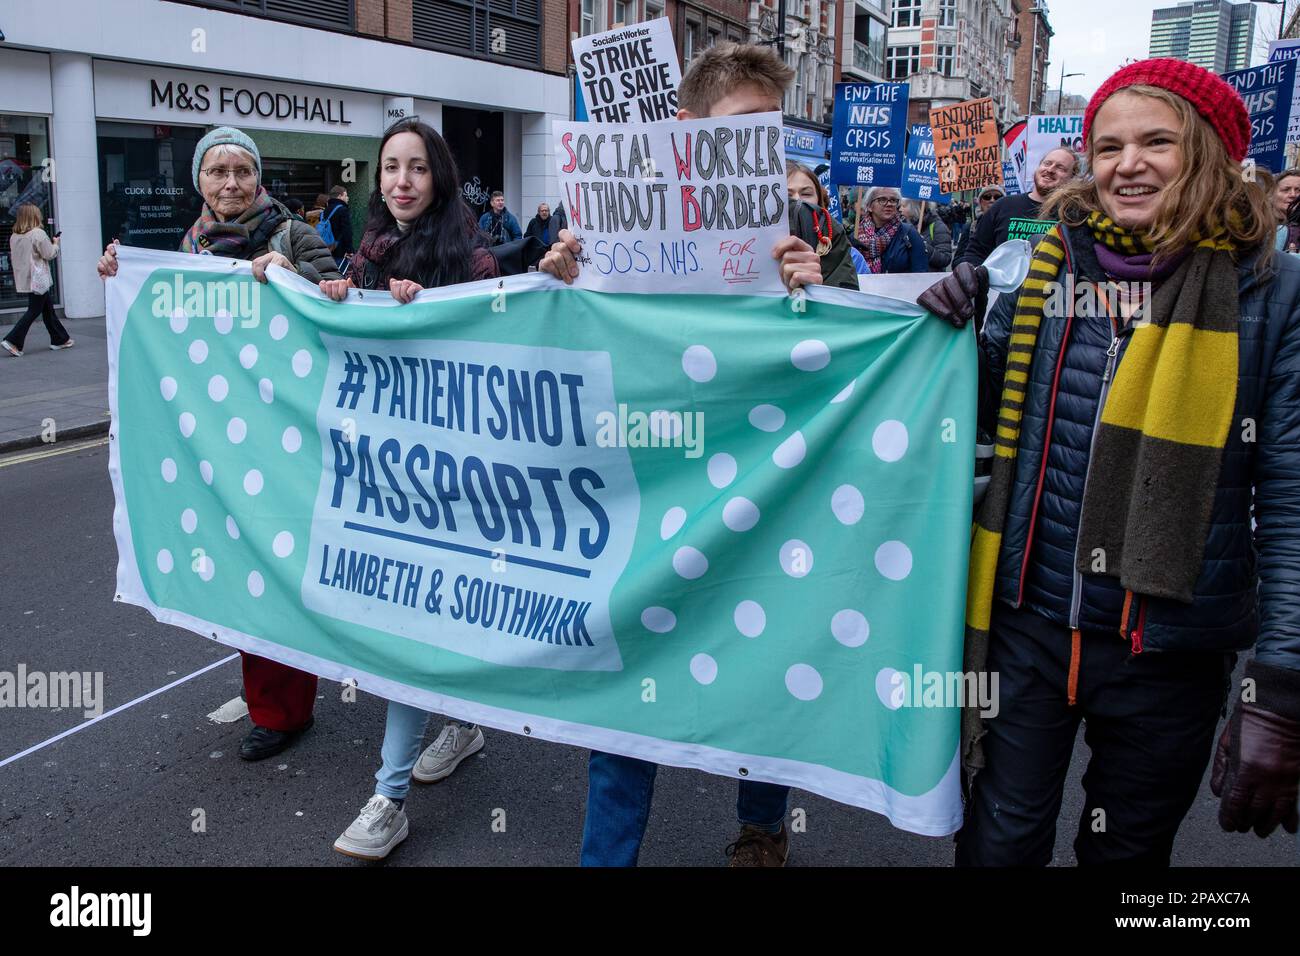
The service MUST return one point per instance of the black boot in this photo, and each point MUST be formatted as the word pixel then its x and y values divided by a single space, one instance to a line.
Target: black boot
pixel 262 742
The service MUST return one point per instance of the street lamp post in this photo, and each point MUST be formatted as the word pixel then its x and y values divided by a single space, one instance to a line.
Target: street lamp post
pixel 1060 90
pixel 1281 19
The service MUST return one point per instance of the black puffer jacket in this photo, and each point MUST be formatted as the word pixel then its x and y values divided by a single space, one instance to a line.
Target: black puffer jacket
pixel 1249 587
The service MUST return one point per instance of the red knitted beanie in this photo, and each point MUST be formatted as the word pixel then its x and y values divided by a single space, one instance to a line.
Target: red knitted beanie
pixel 1214 99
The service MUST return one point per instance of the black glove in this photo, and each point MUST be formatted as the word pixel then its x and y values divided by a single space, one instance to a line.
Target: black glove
pixel 958 295
pixel 1257 764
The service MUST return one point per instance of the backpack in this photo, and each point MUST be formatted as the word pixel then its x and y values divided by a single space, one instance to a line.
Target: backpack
pixel 281 240
pixel 325 230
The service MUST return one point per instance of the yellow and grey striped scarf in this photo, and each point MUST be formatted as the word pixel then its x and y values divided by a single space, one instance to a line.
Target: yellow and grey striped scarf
pixel 1159 443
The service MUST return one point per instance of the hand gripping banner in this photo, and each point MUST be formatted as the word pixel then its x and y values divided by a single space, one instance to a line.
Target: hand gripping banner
pixel 722 532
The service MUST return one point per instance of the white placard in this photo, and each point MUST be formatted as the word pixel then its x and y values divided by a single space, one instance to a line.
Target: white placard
pixel 1046 133
pixel 688 206
pixel 1289 50
pixel 629 75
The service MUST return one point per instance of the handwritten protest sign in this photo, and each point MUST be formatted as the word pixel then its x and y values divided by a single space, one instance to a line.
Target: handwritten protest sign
pixel 867 138
pixel 1267 92
pixel 695 205
pixel 1288 50
pixel 629 75
pixel 966 148
pixel 1046 133
pixel 920 175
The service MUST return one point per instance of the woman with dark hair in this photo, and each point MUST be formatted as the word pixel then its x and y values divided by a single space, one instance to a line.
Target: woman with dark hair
pixel 419 235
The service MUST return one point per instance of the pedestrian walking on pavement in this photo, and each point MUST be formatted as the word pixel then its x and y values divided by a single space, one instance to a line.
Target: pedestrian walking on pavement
pixel 30 252
pixel 419 235
pixel 240 220
pixel 1116 570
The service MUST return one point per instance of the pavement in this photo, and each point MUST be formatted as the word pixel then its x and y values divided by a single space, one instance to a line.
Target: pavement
pixel 47 396
pixel 155 782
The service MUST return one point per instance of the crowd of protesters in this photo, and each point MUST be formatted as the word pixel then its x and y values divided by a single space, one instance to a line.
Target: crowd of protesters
pixel 1117 429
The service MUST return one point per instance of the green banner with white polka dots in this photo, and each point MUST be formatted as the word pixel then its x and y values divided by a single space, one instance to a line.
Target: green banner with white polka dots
pixel 726 532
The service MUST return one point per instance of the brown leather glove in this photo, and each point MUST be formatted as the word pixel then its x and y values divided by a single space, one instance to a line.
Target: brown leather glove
pixel 1257 764
pixel 958 296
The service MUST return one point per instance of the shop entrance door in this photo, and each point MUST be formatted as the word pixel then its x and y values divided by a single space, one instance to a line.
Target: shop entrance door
pixel 477 140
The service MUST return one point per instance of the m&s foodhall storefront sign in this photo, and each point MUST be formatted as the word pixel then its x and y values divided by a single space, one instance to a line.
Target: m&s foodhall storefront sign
pixel 133 92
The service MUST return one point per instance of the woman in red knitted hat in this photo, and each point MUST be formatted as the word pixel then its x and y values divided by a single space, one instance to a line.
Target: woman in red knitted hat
pixel 1144 388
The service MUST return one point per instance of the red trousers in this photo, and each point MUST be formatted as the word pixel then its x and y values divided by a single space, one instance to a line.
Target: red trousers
pixel 279 697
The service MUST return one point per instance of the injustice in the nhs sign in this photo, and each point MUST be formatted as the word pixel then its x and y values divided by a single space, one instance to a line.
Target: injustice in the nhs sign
pixel 245 102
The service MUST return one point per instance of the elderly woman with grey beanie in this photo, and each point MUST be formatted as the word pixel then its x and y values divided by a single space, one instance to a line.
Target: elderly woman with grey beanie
pixel 240 220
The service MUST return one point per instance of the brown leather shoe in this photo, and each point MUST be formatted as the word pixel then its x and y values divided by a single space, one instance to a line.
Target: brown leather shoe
pixel 755 847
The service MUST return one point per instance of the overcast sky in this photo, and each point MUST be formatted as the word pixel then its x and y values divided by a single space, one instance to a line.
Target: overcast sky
pixel 1095 37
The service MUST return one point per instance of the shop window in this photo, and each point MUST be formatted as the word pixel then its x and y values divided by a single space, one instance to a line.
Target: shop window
pixel 24 149
pixel 147 194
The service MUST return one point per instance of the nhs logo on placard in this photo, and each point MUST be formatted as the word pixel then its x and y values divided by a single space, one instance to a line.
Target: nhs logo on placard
pixel 866 174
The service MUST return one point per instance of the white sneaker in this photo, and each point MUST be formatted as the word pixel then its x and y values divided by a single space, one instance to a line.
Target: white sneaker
pixel 380 827
pixel 444 755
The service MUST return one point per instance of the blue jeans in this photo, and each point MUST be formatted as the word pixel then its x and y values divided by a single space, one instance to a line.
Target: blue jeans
pixel 403 735
pixel 619 790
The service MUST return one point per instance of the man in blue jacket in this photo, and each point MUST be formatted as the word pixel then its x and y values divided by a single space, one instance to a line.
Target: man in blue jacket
pixel 498 222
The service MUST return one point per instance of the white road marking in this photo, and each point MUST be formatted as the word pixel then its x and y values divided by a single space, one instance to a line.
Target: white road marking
pixel 52 452
pixel 116 710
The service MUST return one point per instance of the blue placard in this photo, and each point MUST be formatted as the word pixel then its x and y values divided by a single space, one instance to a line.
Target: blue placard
pixel 867 137
pixel 832 193
pixel 1010 182
pixel 1267 91
pixel 920 175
